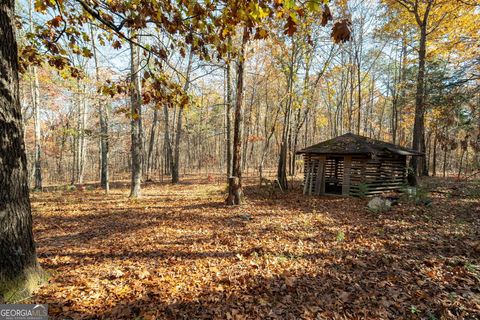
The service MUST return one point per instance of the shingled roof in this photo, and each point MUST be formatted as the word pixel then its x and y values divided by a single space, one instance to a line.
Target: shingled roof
pixel 350 143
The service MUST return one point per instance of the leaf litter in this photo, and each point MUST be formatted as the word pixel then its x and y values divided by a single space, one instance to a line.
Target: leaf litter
pixel 180 253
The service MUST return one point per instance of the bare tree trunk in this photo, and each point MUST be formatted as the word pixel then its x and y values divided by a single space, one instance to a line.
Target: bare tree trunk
pixel 350 105
pixel 269 131
pixel 167 143
pixel 178 130
pixel 461 163
pixel 359 91
pixel 38 134
pixel 151 144
pixel 445 161
pixel 36 115
pixel 135 123
pixel 282 161
pixel 235 192
pixel 103 115
pixel 418 142
pixel 82 140
pixel 19 269
pixel 228 116
pixel 434 156
pixel 74 159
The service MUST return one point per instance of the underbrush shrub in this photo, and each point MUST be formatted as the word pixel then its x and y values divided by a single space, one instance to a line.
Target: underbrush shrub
pixel 363 190
pixel 416 195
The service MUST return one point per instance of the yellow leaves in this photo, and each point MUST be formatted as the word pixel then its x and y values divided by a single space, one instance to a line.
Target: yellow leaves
pixel 42 5
pixel 122 291
pixel 257 12
pixel 451 27
pixel 314 6
pixel 289 4
pixel 134 115
pixel 225 32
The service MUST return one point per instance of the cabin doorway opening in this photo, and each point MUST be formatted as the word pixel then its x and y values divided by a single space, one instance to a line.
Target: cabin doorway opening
pixel 334 174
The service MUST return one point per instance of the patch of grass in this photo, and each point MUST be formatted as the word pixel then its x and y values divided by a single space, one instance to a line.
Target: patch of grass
pixel 413 310
pixel 473 268
pixel 340 237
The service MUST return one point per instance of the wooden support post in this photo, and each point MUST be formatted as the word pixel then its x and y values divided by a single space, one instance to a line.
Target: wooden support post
pixel 321 175
pixel 319 178
pixel 310 176
pixel 347 164
pixel 307 164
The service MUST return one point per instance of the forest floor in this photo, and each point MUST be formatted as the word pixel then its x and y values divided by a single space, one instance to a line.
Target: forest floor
pixel 180 253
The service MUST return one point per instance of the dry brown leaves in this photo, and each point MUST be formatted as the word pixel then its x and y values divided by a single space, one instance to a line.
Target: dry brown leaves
pixel 179 252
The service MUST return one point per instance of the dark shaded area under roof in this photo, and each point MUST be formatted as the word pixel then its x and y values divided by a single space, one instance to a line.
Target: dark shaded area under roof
pixel 350 143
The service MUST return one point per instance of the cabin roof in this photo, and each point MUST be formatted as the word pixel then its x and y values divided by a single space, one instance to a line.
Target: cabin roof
pixel 350 143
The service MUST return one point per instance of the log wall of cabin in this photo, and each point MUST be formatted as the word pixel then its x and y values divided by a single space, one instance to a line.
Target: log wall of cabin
pixel 359 174
pixel 378 174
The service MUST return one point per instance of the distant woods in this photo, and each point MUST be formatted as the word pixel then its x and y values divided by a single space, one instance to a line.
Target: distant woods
pixel 248 111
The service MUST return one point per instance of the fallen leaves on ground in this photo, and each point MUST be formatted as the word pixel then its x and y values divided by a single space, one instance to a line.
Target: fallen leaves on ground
pixel 180 253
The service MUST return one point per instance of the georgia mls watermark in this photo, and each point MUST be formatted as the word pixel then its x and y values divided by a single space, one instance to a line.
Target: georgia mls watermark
pixel 23 311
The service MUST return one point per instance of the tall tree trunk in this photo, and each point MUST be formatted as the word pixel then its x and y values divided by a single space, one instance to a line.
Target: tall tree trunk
pixel 178 130
pixel 74 158
pixel 151 144
pixel 359 90
pixel 462 153
pixel 403 81
pixel 135 123
pixel 418 142
pixel 35 88
pixel 445 160
pixel 434 156
pixel 286 134
pixel 269 131
pixel 167 142
pixel 229 118
pixel 235 192
pixel 18 263
pixel 350 104
pixel 103 115
pixel 82 140
pixel 38 134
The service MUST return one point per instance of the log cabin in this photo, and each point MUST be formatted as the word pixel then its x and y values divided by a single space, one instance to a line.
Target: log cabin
pixel 355 165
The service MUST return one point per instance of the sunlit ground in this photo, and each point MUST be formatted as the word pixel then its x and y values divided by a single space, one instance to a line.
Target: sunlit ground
pixel 180 252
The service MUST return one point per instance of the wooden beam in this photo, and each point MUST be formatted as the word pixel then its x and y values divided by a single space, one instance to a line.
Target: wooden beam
pixel 321 175
pixel 310 183
pixel 347 164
